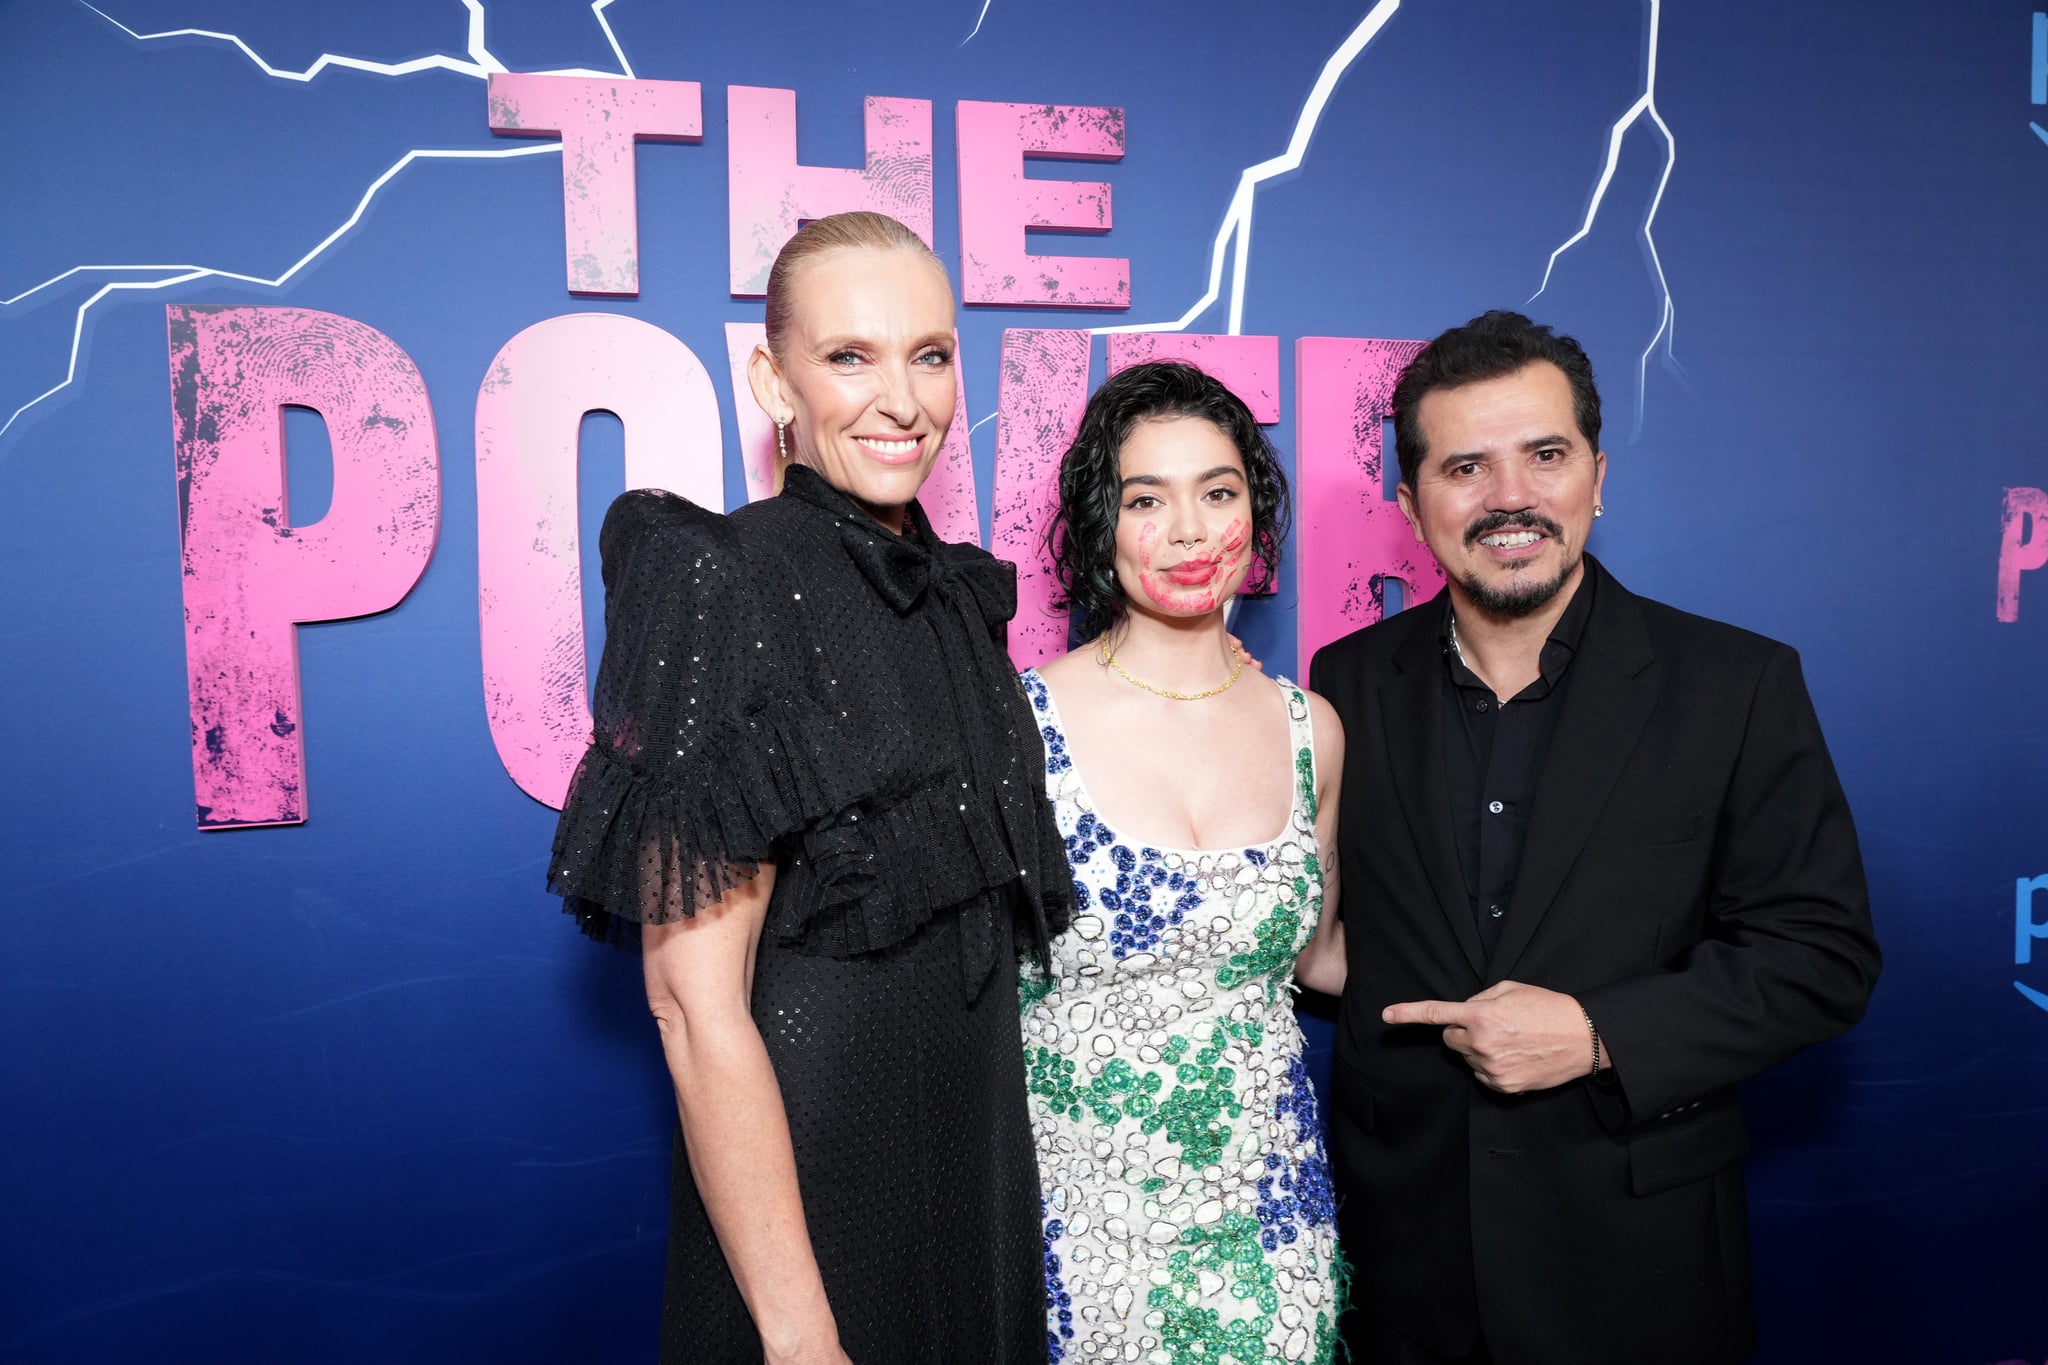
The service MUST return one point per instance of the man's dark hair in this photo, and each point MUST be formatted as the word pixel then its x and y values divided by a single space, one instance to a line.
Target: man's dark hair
pixel 1082 534
pixel 1493 344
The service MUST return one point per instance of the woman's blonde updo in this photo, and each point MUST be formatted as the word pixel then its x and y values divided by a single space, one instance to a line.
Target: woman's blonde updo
pixel 861 229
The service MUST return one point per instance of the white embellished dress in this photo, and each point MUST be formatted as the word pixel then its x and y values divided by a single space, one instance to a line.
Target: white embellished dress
pixel 1189 1215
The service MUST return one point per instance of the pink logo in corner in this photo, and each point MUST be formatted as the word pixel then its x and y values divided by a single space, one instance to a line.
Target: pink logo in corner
pixel 2026 930
pixel 2022 544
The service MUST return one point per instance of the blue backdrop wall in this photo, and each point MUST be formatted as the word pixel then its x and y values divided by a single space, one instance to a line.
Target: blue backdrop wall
pixel 354 1090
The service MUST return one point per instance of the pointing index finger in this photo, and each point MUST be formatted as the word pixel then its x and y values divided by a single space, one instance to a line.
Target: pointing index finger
pixel 1441 1013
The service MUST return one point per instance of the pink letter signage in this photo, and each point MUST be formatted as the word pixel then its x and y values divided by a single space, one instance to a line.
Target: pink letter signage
pixel 759 461
pixel 1044 388
pixel 772 196
pixel 598 120
pixel 997 204
pixel 2022 544
pixel 1248 366
pixel 1351 538
pixel 529 415
pixel 249 574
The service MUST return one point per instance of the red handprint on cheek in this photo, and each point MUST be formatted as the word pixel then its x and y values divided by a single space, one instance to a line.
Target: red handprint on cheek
pixel 1199 581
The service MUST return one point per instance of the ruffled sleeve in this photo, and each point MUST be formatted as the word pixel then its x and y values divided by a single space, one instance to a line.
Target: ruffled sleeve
pixel 703 759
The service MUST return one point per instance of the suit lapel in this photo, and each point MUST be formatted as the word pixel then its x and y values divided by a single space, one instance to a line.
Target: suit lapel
pixel 1607 700
pixel 1411 711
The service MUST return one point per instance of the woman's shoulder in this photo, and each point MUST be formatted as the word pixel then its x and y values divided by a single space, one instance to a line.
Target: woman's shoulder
pixel 653 507
pixel 654 519
pixel 1062 666
pixel 762 513
pixel 761 538
pixel 1326 729
pixel 1297 695
pixel 1065 681
pixel 660 550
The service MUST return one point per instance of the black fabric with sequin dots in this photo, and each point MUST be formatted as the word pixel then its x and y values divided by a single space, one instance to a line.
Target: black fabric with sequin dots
pixel 796 685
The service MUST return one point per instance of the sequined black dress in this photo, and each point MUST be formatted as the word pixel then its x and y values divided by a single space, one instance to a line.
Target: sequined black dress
pixel 794 684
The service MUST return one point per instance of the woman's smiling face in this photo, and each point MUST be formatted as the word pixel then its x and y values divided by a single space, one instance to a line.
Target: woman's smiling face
pixel 866 376
pixel 1183 533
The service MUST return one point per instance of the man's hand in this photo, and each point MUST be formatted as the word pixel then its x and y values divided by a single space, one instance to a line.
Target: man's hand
pixel 1514 1037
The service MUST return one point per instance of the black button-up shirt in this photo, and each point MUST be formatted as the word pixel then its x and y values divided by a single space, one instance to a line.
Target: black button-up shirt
pixel 1493 754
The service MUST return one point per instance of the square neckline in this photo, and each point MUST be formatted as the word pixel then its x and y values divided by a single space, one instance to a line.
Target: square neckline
pixel 1288 690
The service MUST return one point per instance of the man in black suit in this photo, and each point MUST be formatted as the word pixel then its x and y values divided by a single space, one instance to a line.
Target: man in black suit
pixel 1598 870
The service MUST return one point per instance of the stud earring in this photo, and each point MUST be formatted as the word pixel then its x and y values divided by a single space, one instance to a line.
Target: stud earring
pixel 1599 510
pixel 782 443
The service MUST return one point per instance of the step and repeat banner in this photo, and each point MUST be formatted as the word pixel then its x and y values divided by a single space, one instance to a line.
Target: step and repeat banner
pixel 328 332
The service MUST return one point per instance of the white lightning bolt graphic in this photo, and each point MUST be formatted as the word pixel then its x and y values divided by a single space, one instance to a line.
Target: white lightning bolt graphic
pixel 1645 104
pixel 597 8
pixel 977 22
pixel 480 65
pixel 189 273
pixel 1237 220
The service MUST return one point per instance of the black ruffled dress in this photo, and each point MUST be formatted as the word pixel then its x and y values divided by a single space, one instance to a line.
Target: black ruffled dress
pixel 793 684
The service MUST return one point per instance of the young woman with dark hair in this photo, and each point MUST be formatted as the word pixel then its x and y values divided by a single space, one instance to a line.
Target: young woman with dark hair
pixel 1189 1210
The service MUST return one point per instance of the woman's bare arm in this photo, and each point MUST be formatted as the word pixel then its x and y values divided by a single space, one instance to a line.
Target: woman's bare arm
pixel 700 973
pixel 1321 966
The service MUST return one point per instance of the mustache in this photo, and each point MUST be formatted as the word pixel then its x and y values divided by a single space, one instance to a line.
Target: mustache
pixel 1521 521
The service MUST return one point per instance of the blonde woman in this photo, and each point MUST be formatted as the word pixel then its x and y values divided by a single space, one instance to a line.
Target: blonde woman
pixel 815 798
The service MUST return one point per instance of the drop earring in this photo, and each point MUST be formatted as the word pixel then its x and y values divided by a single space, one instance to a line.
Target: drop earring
pixel 782 443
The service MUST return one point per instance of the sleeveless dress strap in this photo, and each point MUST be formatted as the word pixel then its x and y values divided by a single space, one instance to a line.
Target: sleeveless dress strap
pixel 1301 738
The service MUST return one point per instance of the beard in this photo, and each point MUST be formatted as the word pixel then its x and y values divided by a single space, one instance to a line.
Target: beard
pixel 1520 596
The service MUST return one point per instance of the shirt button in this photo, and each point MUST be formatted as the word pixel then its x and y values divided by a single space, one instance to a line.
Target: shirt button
pixel 1497 911
pixel 1494 806
pixel 1481 704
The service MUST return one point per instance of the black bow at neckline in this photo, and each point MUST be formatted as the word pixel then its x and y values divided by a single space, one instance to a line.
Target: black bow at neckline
pixel 972 596
pixel 902 568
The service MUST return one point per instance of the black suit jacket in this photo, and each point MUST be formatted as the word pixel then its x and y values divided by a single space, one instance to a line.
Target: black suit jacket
pixel 1691 875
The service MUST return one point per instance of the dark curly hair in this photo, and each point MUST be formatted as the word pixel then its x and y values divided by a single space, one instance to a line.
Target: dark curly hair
pixel 1082 536
pixel 1489 346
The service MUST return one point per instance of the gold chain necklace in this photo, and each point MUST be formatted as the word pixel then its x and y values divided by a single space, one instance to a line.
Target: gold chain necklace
pixel 1125 674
